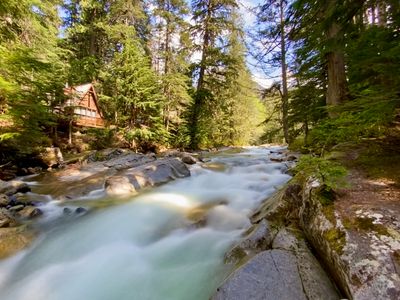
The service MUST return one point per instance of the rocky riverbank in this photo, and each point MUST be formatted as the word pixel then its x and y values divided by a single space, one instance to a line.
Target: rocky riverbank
pixel 355 234
pixel 112 172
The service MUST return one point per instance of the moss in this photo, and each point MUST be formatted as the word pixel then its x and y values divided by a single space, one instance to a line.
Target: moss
pixel 336 239
pixel 329 213
pixel 365 224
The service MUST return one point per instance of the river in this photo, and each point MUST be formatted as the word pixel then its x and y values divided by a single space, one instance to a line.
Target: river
pixel 166 243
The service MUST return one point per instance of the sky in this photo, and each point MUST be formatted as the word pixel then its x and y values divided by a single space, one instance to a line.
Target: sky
pixel 249 19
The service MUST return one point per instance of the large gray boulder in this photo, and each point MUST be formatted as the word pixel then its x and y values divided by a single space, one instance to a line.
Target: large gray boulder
pixel 119 186
pixel 287 270
pixel 271 274
pixel 130 160
pixel 150 174
pixel 361 253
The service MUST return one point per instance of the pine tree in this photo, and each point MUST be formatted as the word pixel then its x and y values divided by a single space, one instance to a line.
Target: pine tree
pixel 272 49
pixel 31 71
pixel 212 22
pixel 170 53
pixel 133 93
pixel 243 110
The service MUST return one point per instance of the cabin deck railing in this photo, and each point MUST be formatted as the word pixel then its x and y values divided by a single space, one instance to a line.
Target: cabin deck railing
pixel 90 122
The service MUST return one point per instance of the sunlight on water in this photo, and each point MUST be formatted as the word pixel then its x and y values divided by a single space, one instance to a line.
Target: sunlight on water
pixel 148 248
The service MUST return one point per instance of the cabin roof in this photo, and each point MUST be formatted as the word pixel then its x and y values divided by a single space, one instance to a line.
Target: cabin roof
pixel 79 91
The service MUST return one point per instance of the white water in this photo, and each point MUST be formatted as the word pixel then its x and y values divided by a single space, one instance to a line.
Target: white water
pixel 148 248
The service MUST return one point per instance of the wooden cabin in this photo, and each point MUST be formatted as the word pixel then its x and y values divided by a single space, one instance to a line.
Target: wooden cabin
pixel 82 99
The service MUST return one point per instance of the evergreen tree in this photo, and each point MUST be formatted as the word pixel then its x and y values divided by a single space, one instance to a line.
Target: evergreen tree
pixel 31 72
pixel 170 53
pixel 243 110
pixel 133 93
pixel 212 22
pixel 272 49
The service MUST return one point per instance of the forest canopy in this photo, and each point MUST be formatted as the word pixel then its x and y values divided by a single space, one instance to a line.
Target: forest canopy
pixel 181 74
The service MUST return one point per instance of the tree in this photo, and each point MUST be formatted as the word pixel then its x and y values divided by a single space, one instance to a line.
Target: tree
pixel 133 91
pixel 31 72
pixel 212 21
pixel 271 44
pixel 170 51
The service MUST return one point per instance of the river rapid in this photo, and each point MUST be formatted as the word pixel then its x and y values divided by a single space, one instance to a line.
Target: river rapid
pixel 166 243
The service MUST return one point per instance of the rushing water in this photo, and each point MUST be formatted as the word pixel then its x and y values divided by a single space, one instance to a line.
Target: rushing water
pixel 168 243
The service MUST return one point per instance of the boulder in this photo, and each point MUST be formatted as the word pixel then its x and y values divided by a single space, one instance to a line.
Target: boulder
pixel 4 200
pixel 106 154
pixel 34 170
pixel 361 259
pixel 149 174
pixel 6 219
pixel 13 240
pixel 276 159
pixel 271 274
pixel 188 159
pixel 130 160
pixel 12 187
pixel 29 212
pixel 156 173
pixel 16 208
pixel 81 210
pixel 118 185
pixel 51 157
pixel 287 271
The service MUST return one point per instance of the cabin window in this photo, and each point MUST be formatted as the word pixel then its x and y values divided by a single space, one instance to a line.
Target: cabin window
pixel 83 111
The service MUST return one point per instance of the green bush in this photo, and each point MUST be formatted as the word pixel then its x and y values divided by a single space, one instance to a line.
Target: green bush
pixel 331 174
pixel 101 138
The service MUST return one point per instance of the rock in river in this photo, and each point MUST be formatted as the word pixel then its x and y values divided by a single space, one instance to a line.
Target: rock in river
pixel 149 174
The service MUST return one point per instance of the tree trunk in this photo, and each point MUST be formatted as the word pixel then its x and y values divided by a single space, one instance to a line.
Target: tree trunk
pixel 198 99
pixel 285 94
pixel 337 91
pixel 70 132
pixel 382 15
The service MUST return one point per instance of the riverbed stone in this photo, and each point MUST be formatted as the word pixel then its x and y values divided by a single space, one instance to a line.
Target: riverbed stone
pixel 16 208
pixel 271 274
pixel 119 185
pixel 156 173
pixel 30 212
pixel 6 219
pixel 12 187
pixel 188 159
pixel 4 200
pixel 13 240
pixel 130 160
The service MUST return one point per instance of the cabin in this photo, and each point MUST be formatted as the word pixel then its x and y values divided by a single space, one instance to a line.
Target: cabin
pixel 82 101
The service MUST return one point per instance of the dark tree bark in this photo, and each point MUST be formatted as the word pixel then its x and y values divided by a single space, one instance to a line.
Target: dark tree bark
pixel 285 93
pixel 337 90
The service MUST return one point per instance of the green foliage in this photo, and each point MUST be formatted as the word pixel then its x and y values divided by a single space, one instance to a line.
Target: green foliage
pixel 131 92
pixel 366 117
pixel 32 73
pixel 330 174
pixel 102 138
